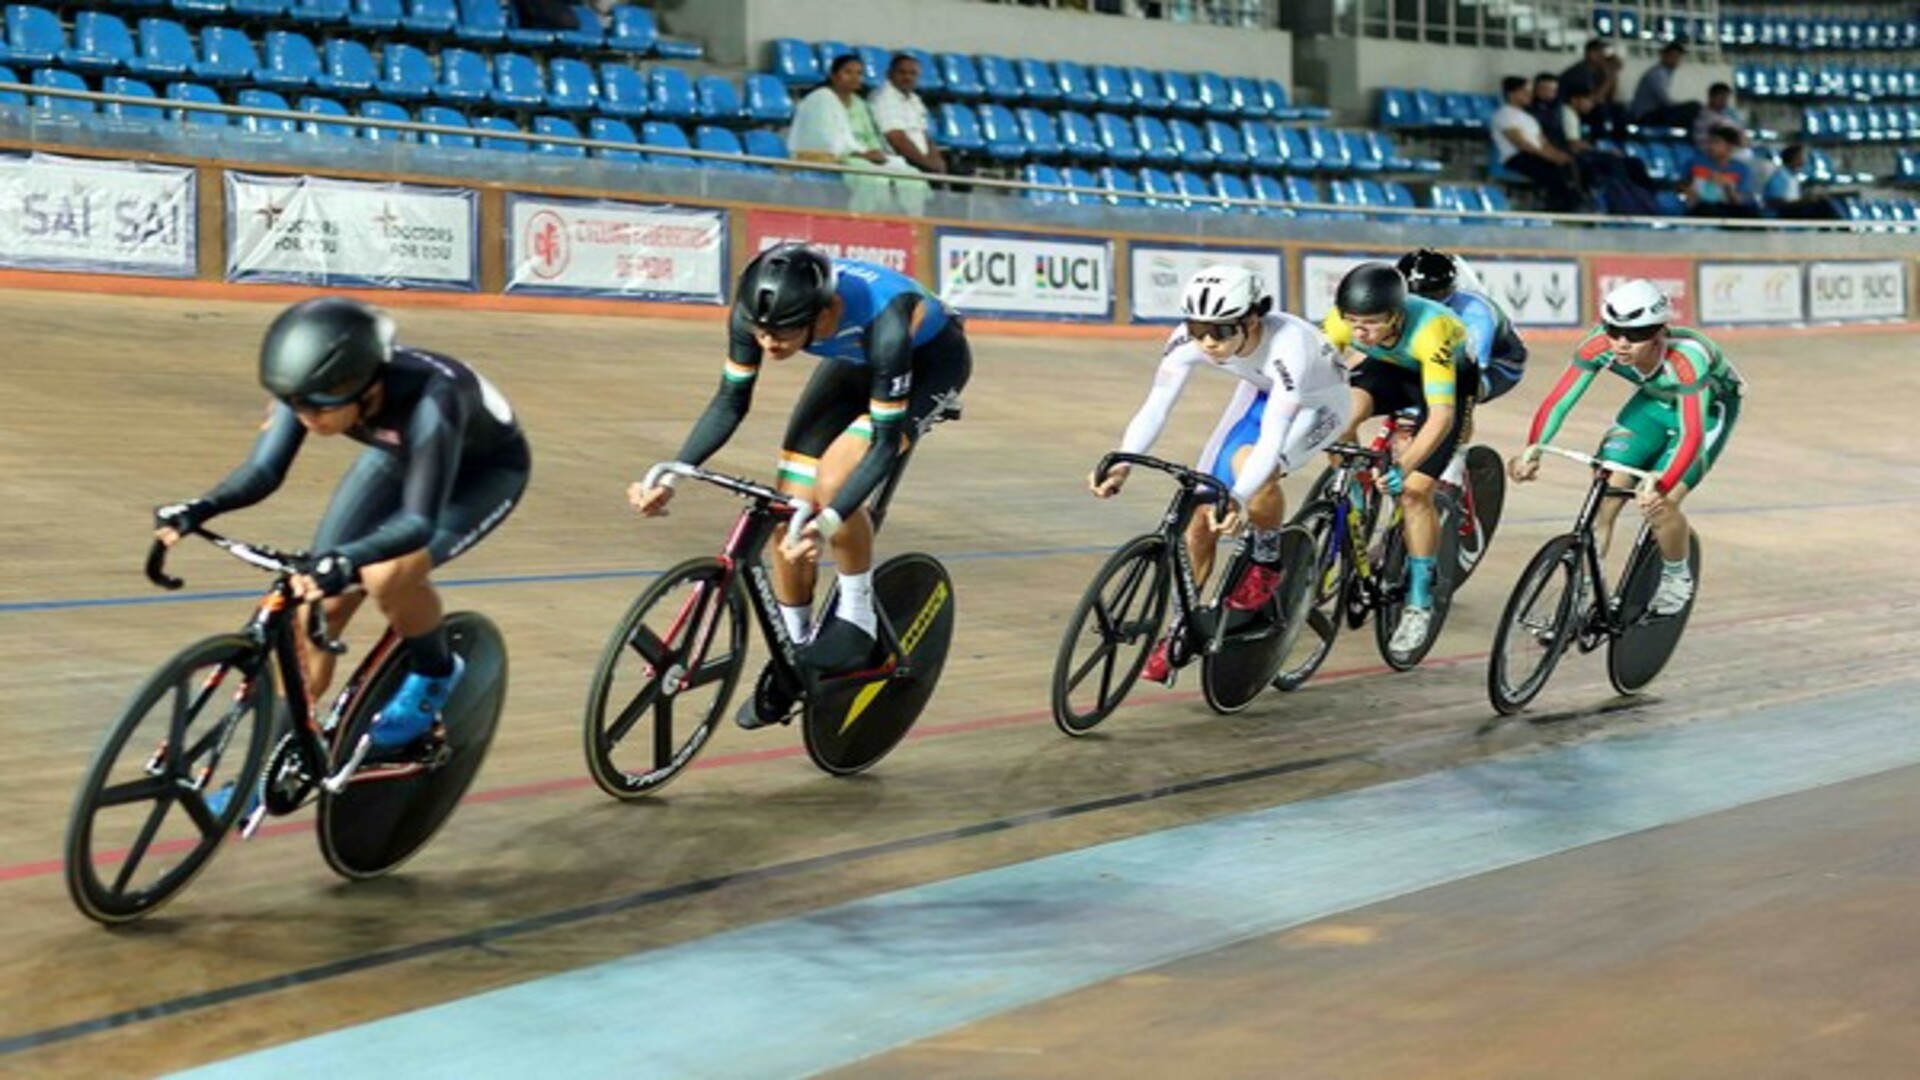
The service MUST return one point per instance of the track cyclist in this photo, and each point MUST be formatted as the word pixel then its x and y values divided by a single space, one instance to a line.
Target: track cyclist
pixel 1291 402
pixel 1409 348
pixel 895 358
pixel 445 463
pixel 1492 342
pixel 1683 410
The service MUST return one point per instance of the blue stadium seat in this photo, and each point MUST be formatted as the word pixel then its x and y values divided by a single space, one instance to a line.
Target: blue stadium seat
pixel 1146 90
pixel 959 128
pixel 1160 190
pixel 498 125
pixel 767 101
pixel 636 32
pixel 558 127
pixel 1228 146
pixel 406 73
pixel 998 78
pixel 288 61
pixel 1004 138
pixel 587 34
pixel 101 42
pixel 571 85
pixel 61 80
pixel 1282 105
pixel 378 15
pixel 1190 144
pixel 346 68
pixel 1229 186
pixel 1363 154
pixel 1154 140
pixel 1082 178
pixel 1293 148
pixel 483 22
pixel 1123 184
pixel 1038 82
pixel 259 9
pixel 623 92
pixel 226 55
pixel 671 94
pixel 1456 110
pixel 385 110
pixel 319 12
pixel 199 95
pixel 1195 192
pixel 1262 148
pixel 874 62
pixel 676 49
pixel 1043 174
pixel 960 77
pixel 1397 194
pixel 610 129
pixel 125 87
pixel 931 82
pixel 1041 134
pixel 1252 103
pixel 34 37
pixel 1076 89
pixel 718 101
pixel 1183 98
pixel 1079 138
pixel 517 82
pixel 464 77
pixel 657 135
pixel 445 117
pixel 432 18
pixel 1217 98
pixel 1327 152
pixel 1268 188
pixel 719 140
pixel 264 125
pixel 1345 192
pixel 329 108
pixel 201 9
pixel 766 144
pixel 1110 84
pixel 1301 190
pixel 1116 137
pixel 1397 109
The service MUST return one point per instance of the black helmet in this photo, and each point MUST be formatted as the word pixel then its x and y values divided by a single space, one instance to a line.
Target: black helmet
pixel 1429 272
pixel 325 352
pixel 1372 288
pixel 785 287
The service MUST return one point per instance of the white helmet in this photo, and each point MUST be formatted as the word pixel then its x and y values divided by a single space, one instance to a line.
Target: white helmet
pixel 1637 303
pixel 1222 293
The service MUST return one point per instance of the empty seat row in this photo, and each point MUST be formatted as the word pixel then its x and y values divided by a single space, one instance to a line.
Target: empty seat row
pixel 1435 111
pixel 998 78
pixel 1635 24
pixel 1800 35
pixel 1890 211
pixel 1804 81
pixel 1008 135
pixel 1861 123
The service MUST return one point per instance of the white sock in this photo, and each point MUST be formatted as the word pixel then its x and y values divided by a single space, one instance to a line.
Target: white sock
pixel 856 601
pixel 1676 569
pixel 799 620
pixel 1456 471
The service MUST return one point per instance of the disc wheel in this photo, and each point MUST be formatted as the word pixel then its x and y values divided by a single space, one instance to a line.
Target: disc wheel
pixel 1487 483
pixel 1252 644
pixel 850 724
pixel 1647 641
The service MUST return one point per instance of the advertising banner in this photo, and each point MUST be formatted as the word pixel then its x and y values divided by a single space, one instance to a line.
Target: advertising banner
pixel 1534 292
pixel 102 217
pixel 1843 291
pixel 1673 275
pixel 1160 273
pixel 587 247
pixel 1320 274
pixel 315 231
pixel 1738 293
pixel 886 243
pixel 1026 277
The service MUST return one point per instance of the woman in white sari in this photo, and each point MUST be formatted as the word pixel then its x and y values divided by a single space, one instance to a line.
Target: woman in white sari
pixel 832 123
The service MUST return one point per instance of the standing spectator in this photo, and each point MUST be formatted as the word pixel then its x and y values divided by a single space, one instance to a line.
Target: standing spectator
pixel 833 123
pixel 901 115
pixel 1718 184
pixel 1597 74
pixel 1653 103
pixel 1720 112
pixel 1545 106
pixel 1520 144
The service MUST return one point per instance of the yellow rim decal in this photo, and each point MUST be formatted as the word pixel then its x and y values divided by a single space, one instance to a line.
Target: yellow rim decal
pixel 908 641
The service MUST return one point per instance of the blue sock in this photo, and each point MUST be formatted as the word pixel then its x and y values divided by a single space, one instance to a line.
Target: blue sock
pixel 1419 582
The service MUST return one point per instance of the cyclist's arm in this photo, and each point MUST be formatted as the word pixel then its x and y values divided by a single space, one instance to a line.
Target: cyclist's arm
pixel 1169 381
pixel 1693 403
pixel 1438 349
pixel 261 474
pixel 1482 328
pixel 1265 460
pixel 890 355
pixel 1553 412
pixel 731 399
pixel 434 438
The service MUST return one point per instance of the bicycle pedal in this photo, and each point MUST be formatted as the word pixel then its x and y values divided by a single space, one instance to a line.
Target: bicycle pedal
pixel 338 782
pixel 252 822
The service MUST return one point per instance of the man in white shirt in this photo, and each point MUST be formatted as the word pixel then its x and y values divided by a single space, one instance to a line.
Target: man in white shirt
pixel 1520 145
pixel 901 116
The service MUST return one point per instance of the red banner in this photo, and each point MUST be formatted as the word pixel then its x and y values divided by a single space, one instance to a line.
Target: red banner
pixel 887 243
pixel 1673 275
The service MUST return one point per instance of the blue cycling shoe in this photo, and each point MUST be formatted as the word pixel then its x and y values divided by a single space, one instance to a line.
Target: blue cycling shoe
pixel 414 708
pixel 219 800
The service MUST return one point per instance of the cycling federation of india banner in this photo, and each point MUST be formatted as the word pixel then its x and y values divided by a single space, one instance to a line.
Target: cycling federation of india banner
pixel 315 231
pixel 598 247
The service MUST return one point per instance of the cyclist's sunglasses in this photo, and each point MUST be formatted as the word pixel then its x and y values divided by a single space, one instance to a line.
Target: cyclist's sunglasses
pixel 1635 334
pixel 1206 331
pixel 338 398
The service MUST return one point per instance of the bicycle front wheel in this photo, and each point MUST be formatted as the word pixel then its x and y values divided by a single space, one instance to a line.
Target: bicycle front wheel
pixel 173 775
pixel 1537 625
pixel 665 678
pixel 1112 630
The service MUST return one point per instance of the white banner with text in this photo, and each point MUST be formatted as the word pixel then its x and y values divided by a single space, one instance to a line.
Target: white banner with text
pixel 104 217
pixel 1844 291
pixel 1025 277
pixel 316 231
pixel 1158 276
pixel 581 247
pixel 1734 293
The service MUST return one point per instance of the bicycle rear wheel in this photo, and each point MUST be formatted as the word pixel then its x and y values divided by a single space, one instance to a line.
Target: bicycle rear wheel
pixel 201 722
pixel 1487 485
pixel 1253 644
pixel 1537 625
pixel 638 733
pixel 1646 642
pixel 1324 597
pixel 850 724
pixel 1110 634
pixel 384 818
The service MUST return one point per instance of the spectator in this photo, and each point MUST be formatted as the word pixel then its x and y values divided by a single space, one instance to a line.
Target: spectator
pixel 1718 184
pixel 1597 74
pixel 1546 105
pixel 1653 103
pixel 1785 193
pixel 1601 168
pixel 546 14
pixel 832 123
pixel 1519 144
pixel 901 116
pixel 1720 112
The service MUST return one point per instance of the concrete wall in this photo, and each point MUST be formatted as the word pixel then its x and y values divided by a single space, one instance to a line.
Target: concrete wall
pixel 736 33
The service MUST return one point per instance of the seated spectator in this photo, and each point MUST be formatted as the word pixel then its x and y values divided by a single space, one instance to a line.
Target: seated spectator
pixel 901 116
pixel 1719 112
pixel 1653 103
pixel 1520 144
pixel 1545 106
pixel 1785 194
pixel 832 123
pixel 1603 170
pixel 1597 74
pixel 546 14
pixel 1719 184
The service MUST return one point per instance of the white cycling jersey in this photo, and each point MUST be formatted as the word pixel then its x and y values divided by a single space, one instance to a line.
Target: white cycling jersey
pixel 1295 371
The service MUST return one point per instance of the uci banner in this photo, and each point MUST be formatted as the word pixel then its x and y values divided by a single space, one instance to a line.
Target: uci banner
pixel 314 231
pixel 102 217
pixel 1022 276
pixel 1847 291
pixel 1159 274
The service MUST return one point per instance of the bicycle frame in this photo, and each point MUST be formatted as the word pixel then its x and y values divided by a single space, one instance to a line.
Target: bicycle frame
pixel 1173 523
pixel 1356 465
pixel 1601 489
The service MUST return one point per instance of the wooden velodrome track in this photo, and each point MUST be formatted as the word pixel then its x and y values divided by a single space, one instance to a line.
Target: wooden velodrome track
pixel 114 405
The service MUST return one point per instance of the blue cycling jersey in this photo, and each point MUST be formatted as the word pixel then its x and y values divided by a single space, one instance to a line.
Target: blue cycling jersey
pixel 1491 338
pixel 867 289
